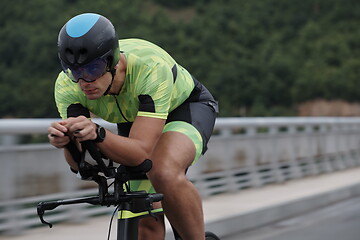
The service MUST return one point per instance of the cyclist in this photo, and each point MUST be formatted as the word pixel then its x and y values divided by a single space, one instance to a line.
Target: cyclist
pixel 162 113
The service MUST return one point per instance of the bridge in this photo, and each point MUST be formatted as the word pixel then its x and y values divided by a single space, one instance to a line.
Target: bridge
pixel 257 171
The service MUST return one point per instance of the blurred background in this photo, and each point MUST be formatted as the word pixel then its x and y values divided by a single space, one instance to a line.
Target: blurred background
pixel 270 64
pixel 259 58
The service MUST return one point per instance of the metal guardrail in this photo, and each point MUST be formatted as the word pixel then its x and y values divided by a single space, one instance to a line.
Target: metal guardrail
pixel 19 214
pixel 40 125
pixel 243 153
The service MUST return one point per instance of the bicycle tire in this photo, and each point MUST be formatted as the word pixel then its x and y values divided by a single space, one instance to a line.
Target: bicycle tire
pixel 211 236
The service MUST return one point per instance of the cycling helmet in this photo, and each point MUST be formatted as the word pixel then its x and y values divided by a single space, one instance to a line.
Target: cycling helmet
pixel 87 37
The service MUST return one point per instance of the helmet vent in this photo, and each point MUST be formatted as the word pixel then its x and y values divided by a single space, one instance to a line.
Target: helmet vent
pixel 69 55
pixel 82 55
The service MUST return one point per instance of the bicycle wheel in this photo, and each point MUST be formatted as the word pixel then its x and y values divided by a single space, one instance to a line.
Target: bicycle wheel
pixel 211 236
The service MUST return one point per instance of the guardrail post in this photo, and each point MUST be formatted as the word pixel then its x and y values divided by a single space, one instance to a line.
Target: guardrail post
pixel 312 147
pixel 295 172
pixel 346 145
pixel 325 159
pixel 355 143
pixel 12 221
pixel 226 134
pixel 338 161
pixel 251 162
pixel 7 179
pixel 274 158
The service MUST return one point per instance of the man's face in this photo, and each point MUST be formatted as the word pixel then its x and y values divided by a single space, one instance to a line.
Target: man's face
pixel 96 89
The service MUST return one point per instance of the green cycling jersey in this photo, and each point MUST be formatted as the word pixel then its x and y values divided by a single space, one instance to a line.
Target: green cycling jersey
pixel 154 86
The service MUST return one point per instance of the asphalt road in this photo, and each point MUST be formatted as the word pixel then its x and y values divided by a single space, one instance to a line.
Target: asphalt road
pixel 338 221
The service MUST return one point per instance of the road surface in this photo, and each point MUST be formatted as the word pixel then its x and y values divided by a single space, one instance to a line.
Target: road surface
pixel 338 221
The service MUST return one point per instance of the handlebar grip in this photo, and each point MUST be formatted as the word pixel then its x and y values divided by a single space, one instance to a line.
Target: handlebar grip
pixel 75 110
pixel 156 197
pixel 142 168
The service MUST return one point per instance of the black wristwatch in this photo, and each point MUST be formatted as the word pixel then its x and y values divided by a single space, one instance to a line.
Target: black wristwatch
pixel 100 132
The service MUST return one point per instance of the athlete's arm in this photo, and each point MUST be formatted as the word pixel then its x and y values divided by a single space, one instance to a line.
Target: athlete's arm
pixel 134 149
pixel 131 150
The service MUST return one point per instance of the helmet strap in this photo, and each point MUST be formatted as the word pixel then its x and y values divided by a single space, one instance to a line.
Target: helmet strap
pixel 113 72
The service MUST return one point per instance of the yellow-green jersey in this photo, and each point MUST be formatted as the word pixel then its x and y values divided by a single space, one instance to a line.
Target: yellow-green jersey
pixel 154 86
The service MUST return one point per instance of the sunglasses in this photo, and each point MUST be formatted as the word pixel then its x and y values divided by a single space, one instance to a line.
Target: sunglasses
pixel 89 73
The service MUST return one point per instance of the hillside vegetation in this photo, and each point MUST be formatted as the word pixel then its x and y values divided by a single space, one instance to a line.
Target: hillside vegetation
pixel 259 58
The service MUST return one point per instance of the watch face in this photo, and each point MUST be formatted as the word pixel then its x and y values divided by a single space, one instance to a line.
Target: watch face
pixel 101 132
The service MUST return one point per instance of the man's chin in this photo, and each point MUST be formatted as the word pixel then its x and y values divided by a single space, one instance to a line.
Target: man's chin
pixel 93 96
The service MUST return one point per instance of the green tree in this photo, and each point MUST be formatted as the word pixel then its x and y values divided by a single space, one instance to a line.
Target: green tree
pixel 263 56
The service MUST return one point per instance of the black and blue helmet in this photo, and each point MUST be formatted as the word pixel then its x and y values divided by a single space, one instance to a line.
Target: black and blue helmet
pixel 85 38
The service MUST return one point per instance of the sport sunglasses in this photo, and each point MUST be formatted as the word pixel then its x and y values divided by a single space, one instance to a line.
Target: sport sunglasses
pixel 89 73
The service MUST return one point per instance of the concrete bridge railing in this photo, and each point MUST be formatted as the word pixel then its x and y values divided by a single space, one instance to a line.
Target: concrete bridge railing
pixel 243 153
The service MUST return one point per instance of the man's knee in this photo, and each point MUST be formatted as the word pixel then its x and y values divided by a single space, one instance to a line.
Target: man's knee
pixel 162 176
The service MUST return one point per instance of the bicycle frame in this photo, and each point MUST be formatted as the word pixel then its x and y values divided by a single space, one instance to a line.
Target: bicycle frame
pixel 131 205
pixel 128 222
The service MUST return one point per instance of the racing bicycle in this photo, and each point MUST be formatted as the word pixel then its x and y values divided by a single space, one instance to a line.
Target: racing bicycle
pixel 114 190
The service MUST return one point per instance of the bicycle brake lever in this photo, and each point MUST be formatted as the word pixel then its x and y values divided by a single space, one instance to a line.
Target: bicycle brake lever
pixel 41 216
pixel 41 212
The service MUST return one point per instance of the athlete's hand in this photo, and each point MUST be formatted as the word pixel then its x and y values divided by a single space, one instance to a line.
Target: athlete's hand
pixel 81 128
pixel 57 134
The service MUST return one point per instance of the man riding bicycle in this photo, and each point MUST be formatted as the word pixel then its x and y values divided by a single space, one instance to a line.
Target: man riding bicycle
pixel 162 112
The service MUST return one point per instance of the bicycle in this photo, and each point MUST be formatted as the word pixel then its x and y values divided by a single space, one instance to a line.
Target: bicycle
pixel 130 205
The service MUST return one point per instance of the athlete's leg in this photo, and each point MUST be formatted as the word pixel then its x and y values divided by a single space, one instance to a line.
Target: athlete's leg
pixel 152 228
pixel 182 204
pixel 185 137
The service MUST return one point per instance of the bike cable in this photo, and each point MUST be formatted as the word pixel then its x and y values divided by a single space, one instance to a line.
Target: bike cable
pixel 111 220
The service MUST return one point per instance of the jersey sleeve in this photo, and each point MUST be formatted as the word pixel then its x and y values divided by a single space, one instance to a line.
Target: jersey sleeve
pixel 154 93
pixel 63 98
